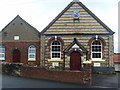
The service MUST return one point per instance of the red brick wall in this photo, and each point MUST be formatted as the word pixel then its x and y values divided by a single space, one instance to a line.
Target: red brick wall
pixel 23 47
pixel 77 77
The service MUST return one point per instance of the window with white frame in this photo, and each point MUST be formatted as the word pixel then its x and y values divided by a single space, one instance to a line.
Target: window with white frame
pixel 2 52
pixel 16 37
pixel 31 52
pixel 96 49
pixel 56 50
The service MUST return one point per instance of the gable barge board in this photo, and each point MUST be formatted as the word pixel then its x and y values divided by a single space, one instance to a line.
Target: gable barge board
pixel 78 34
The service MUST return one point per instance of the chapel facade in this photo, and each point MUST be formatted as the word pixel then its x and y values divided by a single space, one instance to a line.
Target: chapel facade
pixel 75 36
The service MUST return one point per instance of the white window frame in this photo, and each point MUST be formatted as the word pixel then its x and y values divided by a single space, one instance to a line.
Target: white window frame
pixel 55 51
pixel 16 37
pixel 31 53
pixel 2 52
pixel 96 52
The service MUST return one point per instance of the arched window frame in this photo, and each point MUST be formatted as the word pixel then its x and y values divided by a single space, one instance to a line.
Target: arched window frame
pixel 32 52
pixel 2 52
pixel 57 53
pixel 100 52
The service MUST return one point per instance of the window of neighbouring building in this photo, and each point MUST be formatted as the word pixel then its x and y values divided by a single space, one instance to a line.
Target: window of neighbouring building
pixel 2 52
pixel 16 37
pixel 96 49
pixel 31 52
pixel 56 50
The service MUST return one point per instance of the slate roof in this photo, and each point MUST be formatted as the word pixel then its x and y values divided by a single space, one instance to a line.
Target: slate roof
pixel 21 28
pixel 23 21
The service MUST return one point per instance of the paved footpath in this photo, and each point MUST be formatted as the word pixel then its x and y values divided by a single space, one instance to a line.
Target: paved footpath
pixel 99 81
pixel 108 81
pixel 20 82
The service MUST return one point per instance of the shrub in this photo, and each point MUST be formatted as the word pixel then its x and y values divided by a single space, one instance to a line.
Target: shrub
pixel 11 68
pixel 55 68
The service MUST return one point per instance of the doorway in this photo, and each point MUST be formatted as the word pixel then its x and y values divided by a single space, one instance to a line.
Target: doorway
pixel 16 55
pixel 75 61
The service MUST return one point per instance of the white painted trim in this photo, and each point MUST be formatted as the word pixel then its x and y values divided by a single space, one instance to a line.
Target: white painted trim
pixel 99 59
pixel 96 52
pixel 55 59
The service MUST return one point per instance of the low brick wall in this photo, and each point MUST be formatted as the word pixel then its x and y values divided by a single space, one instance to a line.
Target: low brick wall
pixel 77 77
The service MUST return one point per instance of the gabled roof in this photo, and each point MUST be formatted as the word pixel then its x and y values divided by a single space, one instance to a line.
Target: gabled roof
pixel 21 28
pixel 84 7
pixel 73 43
pixel 23 21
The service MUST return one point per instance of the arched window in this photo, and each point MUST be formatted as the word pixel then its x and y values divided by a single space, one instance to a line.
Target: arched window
pixel 2 52
pixel 55 50
pixel 96 49
pixel 31 52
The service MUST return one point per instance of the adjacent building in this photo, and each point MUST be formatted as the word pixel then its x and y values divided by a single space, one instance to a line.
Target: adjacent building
pixel 20 42
pixel 117 61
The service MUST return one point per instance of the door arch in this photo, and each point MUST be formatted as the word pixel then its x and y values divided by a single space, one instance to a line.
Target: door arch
pixel 16 55
pixel 75 61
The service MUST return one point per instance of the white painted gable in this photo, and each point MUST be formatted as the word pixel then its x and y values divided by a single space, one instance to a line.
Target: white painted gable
pixel 75 46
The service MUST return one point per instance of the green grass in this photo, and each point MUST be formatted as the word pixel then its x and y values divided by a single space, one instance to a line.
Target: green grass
pixel 55 68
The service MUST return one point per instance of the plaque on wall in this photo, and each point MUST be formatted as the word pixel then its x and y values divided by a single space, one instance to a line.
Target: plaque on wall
pixel 97 65
pixel 55 64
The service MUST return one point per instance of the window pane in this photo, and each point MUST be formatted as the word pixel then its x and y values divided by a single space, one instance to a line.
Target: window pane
pixel 2 56
pixel 32 56
pixel 2 52
pixel 96 55
pixel 56 49
pixel 16 37
pixel 31 52
pixel 55 43
pixel 2 49
pixel 96 43
pixel 55 55
pixel 96 48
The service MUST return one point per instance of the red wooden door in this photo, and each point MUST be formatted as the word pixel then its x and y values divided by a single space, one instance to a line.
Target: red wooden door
pixel 75 61
pixel 16 55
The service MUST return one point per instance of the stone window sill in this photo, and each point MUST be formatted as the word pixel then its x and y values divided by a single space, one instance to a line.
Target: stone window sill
pixel 55 59
pixel 97 60
pixel 31 59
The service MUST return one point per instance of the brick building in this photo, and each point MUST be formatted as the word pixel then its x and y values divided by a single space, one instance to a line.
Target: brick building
pixel 20 42
pixel 75 36
pixel 117 61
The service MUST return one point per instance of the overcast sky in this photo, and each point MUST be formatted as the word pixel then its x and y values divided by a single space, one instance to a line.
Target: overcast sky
pixel 39 13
